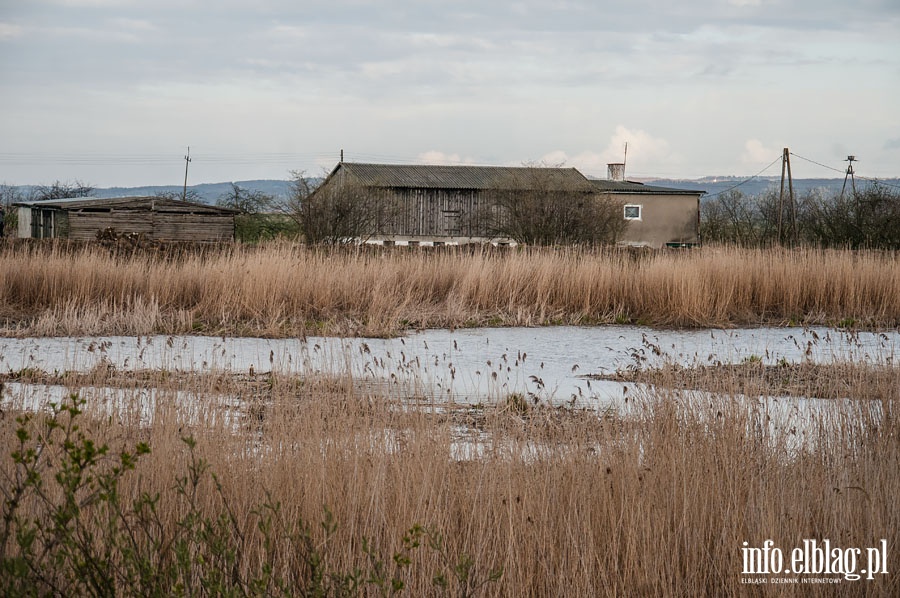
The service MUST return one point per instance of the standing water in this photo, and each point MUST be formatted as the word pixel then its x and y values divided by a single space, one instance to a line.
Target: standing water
pixel 468 365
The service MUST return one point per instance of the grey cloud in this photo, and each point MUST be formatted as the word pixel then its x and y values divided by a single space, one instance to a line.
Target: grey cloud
pixel 341 35
pixel 461 58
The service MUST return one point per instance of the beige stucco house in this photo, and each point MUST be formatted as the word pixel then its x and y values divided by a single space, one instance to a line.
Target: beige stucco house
pixel 656 216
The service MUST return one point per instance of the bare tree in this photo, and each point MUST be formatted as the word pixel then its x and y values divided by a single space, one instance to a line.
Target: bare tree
pixel 867 218
pixel 191 195
pixel 9 195
pixel 245 200
pixel 544 206
pixel 261 216
pixel 338 211
pixel 60 190
pixel 302 187
pixel 731 217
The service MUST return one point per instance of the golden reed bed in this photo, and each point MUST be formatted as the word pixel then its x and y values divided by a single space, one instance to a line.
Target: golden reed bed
pixel 285 289
pixel 509 499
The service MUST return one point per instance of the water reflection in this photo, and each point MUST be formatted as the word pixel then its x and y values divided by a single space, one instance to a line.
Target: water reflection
pixel 470 365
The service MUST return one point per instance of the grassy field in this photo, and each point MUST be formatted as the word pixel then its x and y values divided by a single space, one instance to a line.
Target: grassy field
pixel 288 485
pixel 290 290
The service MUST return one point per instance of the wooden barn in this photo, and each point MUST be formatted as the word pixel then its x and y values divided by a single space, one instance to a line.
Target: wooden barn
pixel 446 205
pixel 155 218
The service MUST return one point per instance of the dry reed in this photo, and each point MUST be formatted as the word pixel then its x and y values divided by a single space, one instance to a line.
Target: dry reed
pixel 287 290
pixel 654 502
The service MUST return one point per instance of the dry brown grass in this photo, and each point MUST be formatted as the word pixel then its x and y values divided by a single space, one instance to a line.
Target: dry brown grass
pixel 839 380
pixel 656 502
pixel 286 290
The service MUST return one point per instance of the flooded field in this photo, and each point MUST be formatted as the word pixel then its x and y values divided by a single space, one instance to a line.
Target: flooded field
pixel 552 364
pixel 585 445
pixel 284 449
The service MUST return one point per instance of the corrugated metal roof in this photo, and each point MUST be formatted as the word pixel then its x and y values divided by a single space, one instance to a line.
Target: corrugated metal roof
pixel 80 203
pixel 461 177
pixel 607 186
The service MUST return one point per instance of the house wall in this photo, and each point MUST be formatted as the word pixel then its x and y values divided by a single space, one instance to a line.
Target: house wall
pixel 664 219
pixel 417 213
pixel 454 215
pixel 438 213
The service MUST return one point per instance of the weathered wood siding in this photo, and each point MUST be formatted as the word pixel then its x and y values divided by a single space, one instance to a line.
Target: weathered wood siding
pixel 42 224
pixel 160 219
pixel 160 226
pixel 83 226
pixel 193 227
pixel 433 212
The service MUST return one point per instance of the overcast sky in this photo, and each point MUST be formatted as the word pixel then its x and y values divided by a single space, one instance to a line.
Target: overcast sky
pixel 111 92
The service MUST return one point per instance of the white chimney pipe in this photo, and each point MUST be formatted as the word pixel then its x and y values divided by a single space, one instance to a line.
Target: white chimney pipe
pixel 616 172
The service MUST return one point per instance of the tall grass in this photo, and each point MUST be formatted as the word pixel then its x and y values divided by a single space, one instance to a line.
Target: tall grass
pixel 283 290
pixel 657 501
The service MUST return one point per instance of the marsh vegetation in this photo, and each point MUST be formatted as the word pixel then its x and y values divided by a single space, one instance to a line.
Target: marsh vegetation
pixel 302 483
pixel 194 479
pixel 284 290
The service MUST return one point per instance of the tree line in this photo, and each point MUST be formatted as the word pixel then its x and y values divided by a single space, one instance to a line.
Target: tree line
pixel 538 211
pixel 867 218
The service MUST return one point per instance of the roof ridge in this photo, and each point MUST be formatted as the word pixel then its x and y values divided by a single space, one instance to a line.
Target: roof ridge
pixel 413 165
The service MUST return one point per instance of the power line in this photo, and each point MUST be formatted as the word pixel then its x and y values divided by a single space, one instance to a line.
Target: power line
pixel 745 181
pixel 817 163
pixel 871 180
pixel 81 159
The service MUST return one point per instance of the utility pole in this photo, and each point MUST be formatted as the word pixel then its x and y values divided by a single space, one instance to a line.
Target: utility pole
pixel 786 166
pixel 850 173
pixel 187 161
pixel 851 160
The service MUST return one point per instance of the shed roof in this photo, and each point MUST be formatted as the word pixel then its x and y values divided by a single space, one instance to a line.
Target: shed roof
pixel 632 187
pixel 460 177
pixel 158 204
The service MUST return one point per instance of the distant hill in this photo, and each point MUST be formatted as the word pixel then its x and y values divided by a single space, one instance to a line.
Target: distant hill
pixel 208 192
pixel 714 185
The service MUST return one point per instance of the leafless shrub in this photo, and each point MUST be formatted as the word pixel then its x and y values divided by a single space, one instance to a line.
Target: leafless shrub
pixel 866 218
pixel 338 211
pixel 545 206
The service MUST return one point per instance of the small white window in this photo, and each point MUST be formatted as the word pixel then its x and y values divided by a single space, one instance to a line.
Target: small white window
pixel 632 212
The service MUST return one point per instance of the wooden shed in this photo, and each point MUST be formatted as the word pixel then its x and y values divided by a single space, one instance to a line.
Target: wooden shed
pixel 156 218
pixel 440 204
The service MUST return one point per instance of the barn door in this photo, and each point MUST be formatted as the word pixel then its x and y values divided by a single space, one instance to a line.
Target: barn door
pixel 451 223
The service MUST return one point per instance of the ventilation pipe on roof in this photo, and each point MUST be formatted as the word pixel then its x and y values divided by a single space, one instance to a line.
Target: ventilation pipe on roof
pixel 616 172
